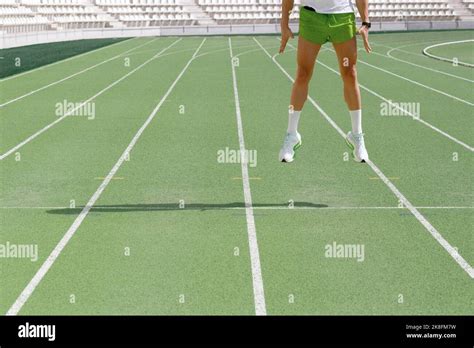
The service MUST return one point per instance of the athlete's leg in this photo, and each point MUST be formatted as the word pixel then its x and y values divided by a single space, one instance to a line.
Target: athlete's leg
pixel 347 57
pixel 306 57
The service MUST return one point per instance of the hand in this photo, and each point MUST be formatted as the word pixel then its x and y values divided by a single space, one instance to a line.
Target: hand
pixel 364 32
pixel 286 33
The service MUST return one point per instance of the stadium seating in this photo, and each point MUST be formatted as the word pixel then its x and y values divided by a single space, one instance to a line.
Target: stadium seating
pixel 38 15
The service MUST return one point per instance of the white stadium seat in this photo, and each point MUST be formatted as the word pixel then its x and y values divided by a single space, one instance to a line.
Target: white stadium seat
pixel 34 15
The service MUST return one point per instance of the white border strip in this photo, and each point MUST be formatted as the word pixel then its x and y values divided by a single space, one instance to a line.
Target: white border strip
pixel 258 292
pixel 451 251
pixel 30 288
pixel 425 52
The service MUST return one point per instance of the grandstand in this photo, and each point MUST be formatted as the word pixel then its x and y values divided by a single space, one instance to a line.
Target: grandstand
pixel 20 16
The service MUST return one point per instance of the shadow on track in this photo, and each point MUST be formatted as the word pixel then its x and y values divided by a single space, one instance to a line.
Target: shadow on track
pixel 126 208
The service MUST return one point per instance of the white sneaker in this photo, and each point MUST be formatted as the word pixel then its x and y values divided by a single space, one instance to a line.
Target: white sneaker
pixel 290 145
pixel 357 145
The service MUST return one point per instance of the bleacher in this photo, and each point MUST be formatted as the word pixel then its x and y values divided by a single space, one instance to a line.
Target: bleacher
pixel 469 4
pixel 243 11
pixel 268 11
pixel 144 13
pixel 40 15
pixel 17 18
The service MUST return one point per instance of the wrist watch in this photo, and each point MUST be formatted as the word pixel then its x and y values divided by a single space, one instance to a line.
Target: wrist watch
pixel 367 24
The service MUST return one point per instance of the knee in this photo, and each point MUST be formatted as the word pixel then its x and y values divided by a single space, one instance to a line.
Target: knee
pixel 349 74
pixel 303 76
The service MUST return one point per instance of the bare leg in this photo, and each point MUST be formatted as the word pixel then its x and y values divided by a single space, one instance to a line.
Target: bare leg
pixel 347 57
pixel 306 57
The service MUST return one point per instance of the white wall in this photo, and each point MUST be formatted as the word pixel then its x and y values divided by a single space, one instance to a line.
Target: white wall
pixel 24 39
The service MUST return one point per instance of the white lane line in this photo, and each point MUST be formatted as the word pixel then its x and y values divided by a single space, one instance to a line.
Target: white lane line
pixel 72 75
pixel 258 292
pixel 64 60
pixel 70 112
pixel 30 288
pixel 160 56
pixel 425 52
pixel 213 47
pixel 430 228
pixel 423 67
pixel 417 83
pixel 254 50
pixel 408 44
pixel 415 117
pixel 451 251
pixel 210 207
pixel 388 54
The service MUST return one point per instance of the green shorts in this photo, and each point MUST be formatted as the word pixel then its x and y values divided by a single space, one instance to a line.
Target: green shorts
pixel 320 28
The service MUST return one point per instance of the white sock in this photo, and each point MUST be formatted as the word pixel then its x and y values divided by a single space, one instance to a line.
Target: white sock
pixel 293 118
pixel 356 119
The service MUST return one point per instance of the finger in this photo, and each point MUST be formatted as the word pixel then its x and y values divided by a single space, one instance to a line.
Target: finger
pixel 367 45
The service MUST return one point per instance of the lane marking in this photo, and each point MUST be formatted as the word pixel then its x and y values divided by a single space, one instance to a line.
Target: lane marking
pixel 30 288
pixel 161 56
pixel 70 112
pixel 434 233
pixel 258 291
pixel 417 83
pixel 391 178
pixel 388 54
pixel 114 178
pixel 71 76
pixel 409 44
pixel 64 60
pixel 423 67
pixel 425 52
pixel 249 51
pixel 202 54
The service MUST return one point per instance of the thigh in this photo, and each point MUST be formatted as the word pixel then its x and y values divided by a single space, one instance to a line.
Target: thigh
pixel 346 53
pixel 307 54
